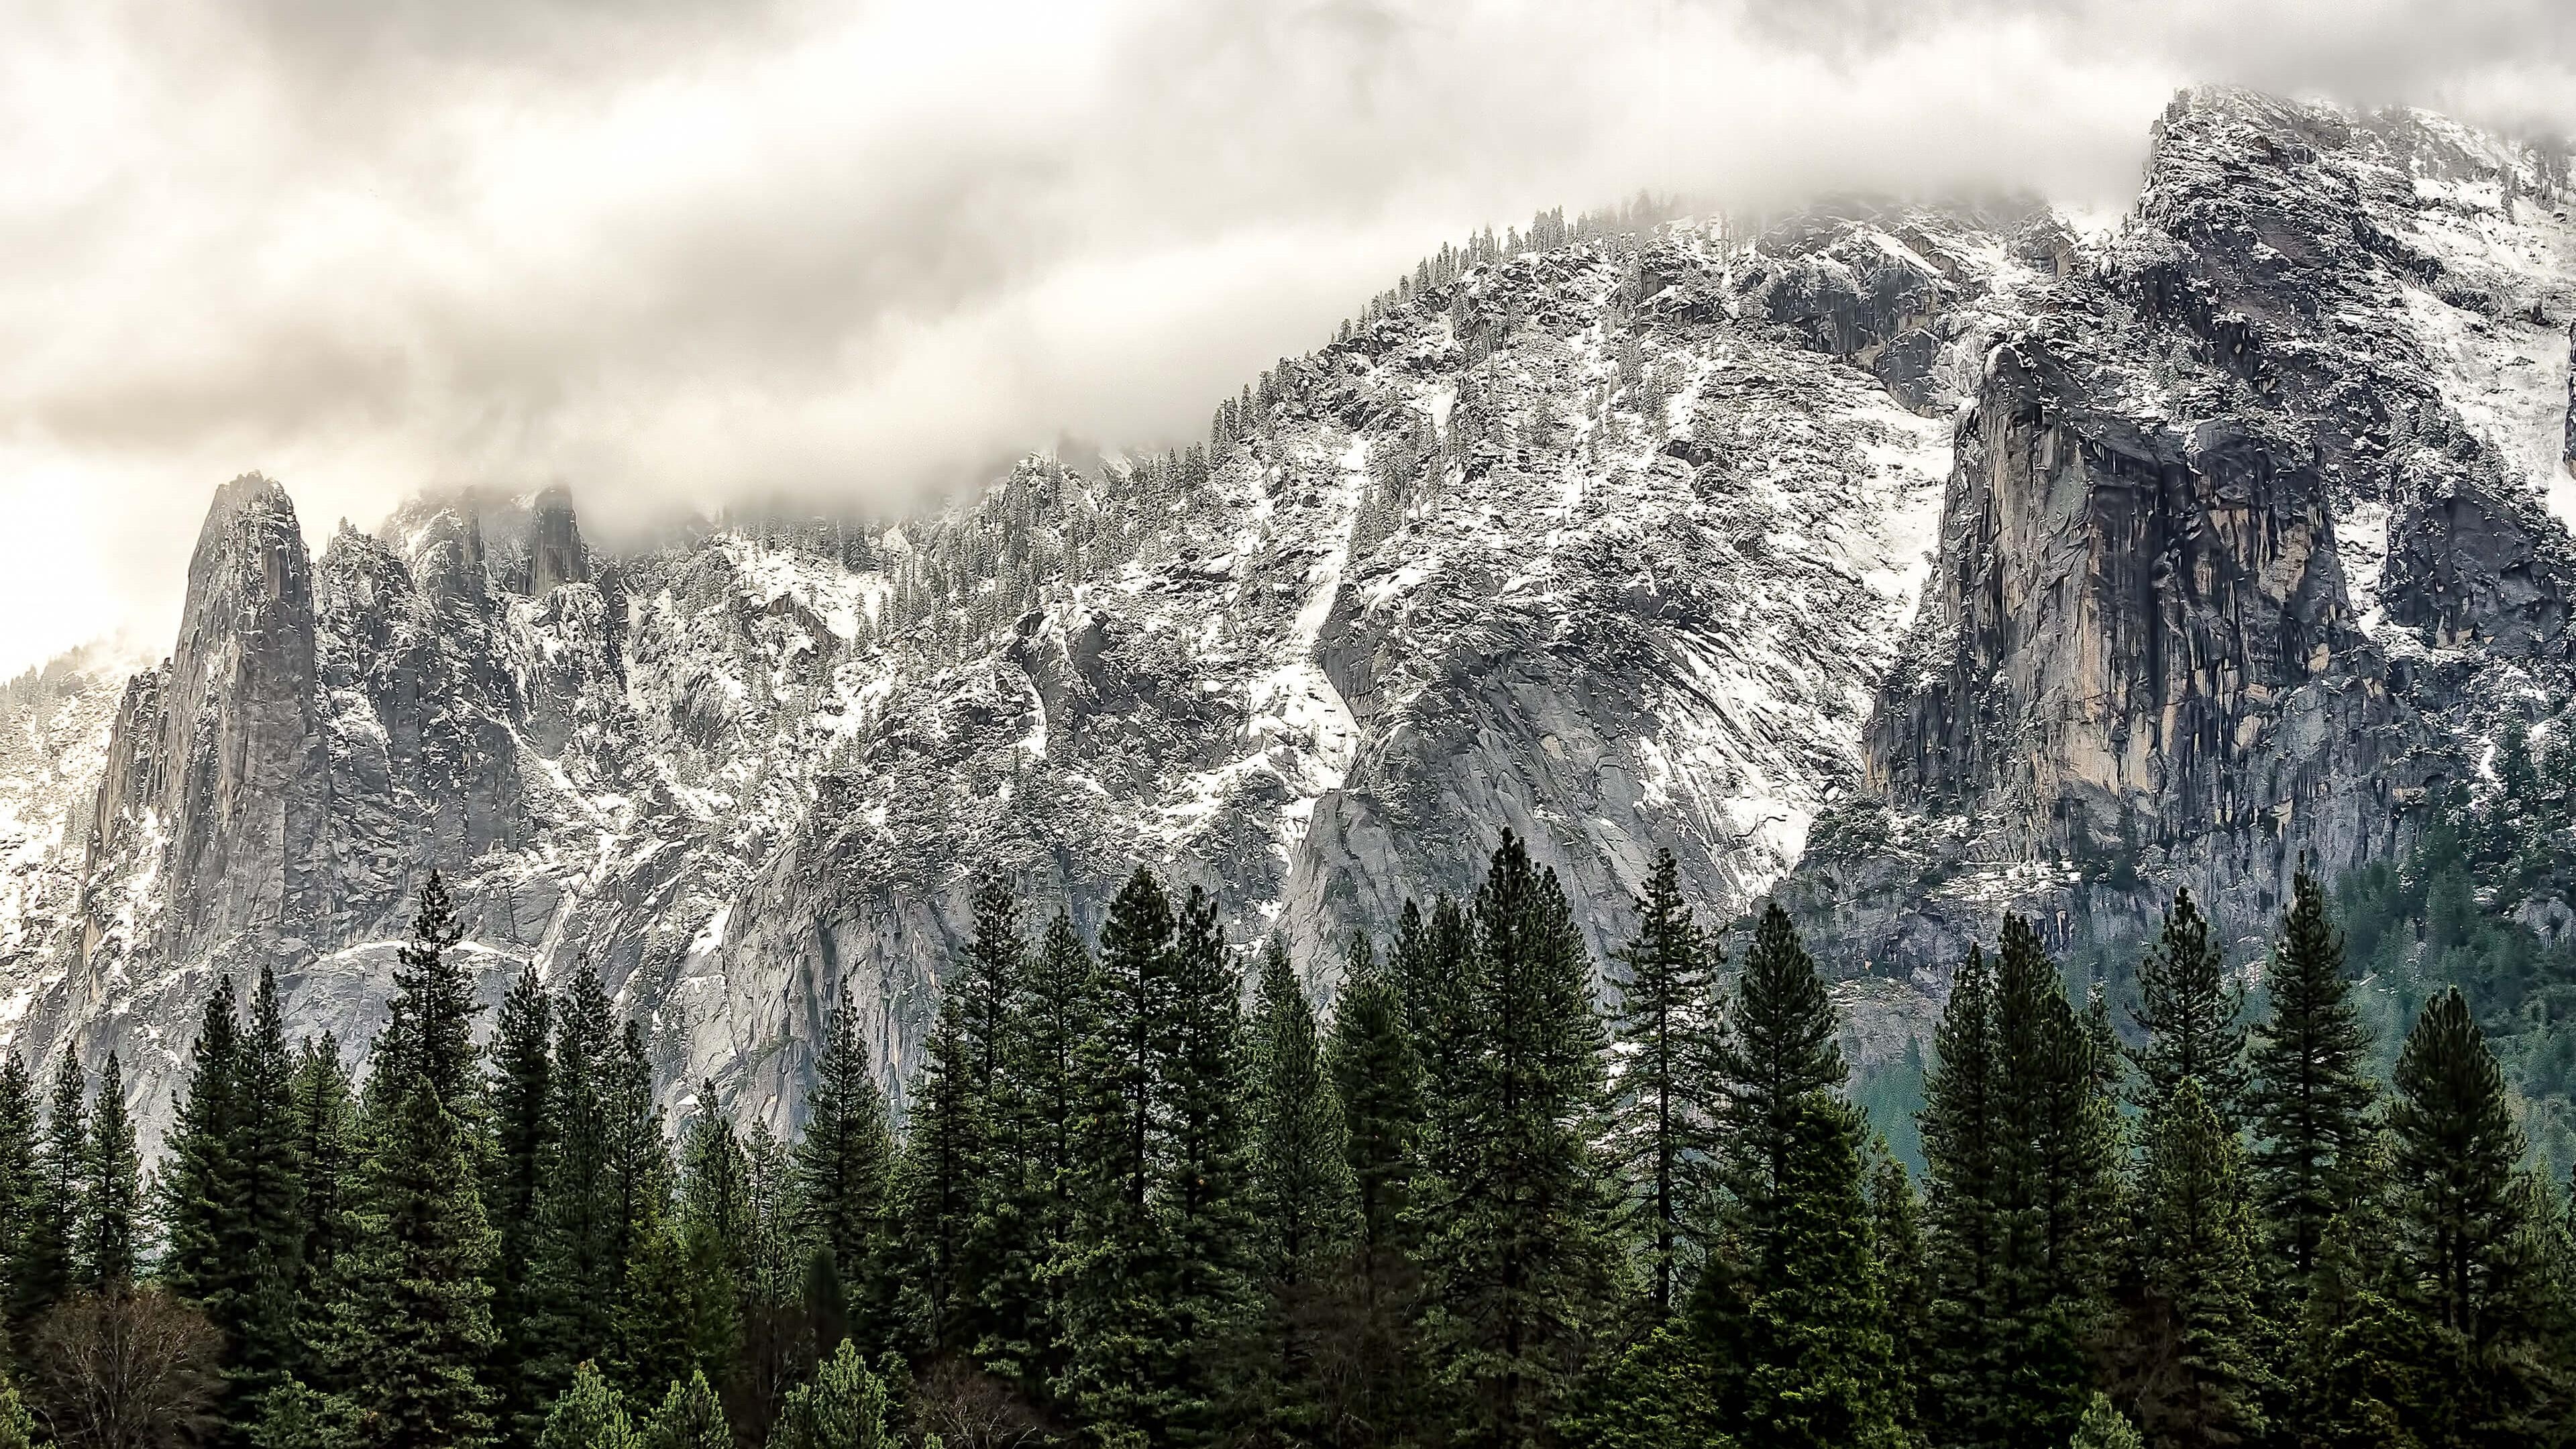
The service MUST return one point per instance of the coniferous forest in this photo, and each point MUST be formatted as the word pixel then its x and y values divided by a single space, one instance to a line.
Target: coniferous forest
pixel 1145 1194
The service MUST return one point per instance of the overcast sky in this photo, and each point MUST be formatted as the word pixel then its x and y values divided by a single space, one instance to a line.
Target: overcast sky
pixel 673 251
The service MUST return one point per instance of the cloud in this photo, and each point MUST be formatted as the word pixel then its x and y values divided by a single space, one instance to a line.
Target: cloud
pixel 676 251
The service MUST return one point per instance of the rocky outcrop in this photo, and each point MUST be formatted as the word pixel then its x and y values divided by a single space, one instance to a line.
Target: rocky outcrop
pixel 1945 560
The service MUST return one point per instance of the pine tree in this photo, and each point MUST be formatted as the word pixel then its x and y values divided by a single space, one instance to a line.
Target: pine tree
pixel 522 1060
pixel 716 1228
pixel 651 1296
pixel 414 1324
pixel 2311 1098
pixel 112 1189
pixel 1904 1280
pixel 576 1233
pixel 2456 1147
pixel 200 1185
pixel 19 1179
pixel 1049 1098
pixel 2104 1427
pixel 1121 1329
pixel 938 1185
pixel 2189 1016
pixel 1202 1167
pixel 324 1132
pixel 845 1173
pixel 1523 1262
pixel 413 1331
pixel 588 1415
pixel 17 1427
pixel 47 1267
pixel 689 1418
pixel 1822 1375
pixel 429 1031
pixel 988 988
pixel 1962 1233
pixel 2059 1193
pixel 1378 1079
pixel 2195 1245
pixel 1777 1052
pixel 1431 964
pixel 271 1224
pixel 1664 1113
pixel 843 1408
pixel 1301 1179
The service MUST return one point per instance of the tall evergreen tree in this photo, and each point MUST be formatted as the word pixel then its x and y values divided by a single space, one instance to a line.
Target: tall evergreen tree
pixel 845 1174
pixel 1377 1076
pixel 938 1181
pixel 271 1225
pixel 1050 1099
pixel 1822 1375
pixel 199 1187
pixel 113 1190
pixel 414 1320
pixel 1664 1112
pixel 576 1235
pixel 1779 1050
pixel 1301 1182
pixel 47 1266
pixel 1121 1327
pixel 1962 1231
pixel 1202 1166
pixel 2202 1380
pixel 19 1177
pixel 324 1128
pixel 2311 1095
pixel 429 1030
pixel 1904 1281
pixel 521 1063
pixel 2456 1147
pixel 717 1226
pixel 2189 1016
pixel 1523 1262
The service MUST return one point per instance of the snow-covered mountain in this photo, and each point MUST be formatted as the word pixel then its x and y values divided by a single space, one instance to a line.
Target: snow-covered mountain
pixel 1948 556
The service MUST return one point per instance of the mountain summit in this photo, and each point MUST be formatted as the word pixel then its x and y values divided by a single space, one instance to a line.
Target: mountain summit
pixel 1931 559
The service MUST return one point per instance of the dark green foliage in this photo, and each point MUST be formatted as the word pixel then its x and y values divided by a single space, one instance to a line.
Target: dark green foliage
pixel 2021 1139
pixel 1050 1102
pixel 1377 1077
pixel 1822 1372
pixel 1904 1280
pixel 294 1415
pixel 579 1218
pixel 412 1332
pixel 2201 1380
pixel 1777 1051
pixel 20 1180
pixel 2456 1148
pixel 2311 1095
pixel 230 1194
pixel 2189 1016
pixel 588 1415
pixel 112 1189
pixel 1523 1261
pixel 1301 1195
pixel 717 1227
pixel 843 1408
pixel 429 1032
pixel 844 1178
pixel 47 1265
pixel 414 1323
pixel 522 1063
pixel 1664 1118
pixel 943 1149
pixel 323 1131
pixel 689 1418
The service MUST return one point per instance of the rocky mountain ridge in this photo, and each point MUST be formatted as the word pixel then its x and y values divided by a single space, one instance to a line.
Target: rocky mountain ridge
pixel 1918 561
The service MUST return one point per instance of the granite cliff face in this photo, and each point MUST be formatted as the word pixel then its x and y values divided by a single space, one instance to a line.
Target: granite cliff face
pixel 1935 560
pixel 2251 536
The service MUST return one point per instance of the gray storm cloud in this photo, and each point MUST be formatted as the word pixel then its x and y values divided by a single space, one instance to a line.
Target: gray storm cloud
pixel 677 251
